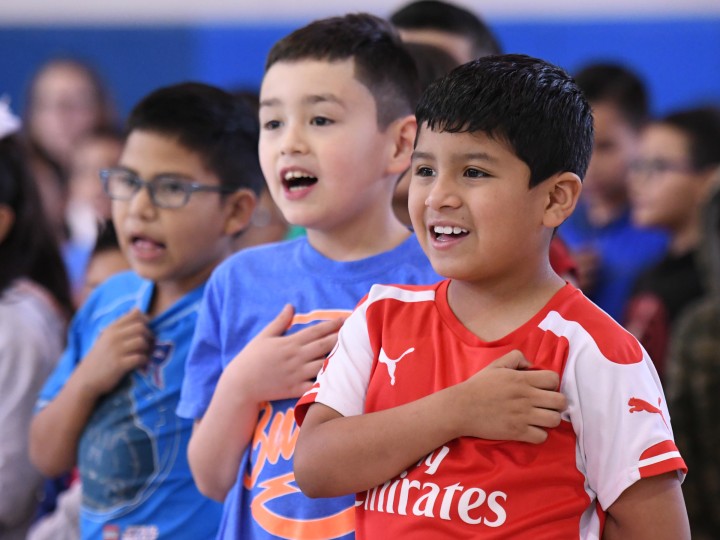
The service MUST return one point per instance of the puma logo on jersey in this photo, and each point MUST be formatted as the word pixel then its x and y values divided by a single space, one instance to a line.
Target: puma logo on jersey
pixel 392 363
pixel 639 405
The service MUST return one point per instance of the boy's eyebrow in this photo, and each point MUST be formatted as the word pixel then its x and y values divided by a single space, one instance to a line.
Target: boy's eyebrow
pixel 308 100
pixel 481 156
pixel 322 98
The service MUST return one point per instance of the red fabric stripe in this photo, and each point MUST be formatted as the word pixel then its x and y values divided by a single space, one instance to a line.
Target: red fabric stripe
pixel 664 466
pixel 658 449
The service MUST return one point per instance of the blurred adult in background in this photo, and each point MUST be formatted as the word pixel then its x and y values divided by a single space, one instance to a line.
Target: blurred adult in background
pixel 35 305
pixel 693 380
pixel 461 33
pixel 610 250
pixel 66 101
pixel 669 184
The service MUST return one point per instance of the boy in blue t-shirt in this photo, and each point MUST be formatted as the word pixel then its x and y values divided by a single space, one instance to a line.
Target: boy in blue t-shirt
pixel 337 131
pixel 185 186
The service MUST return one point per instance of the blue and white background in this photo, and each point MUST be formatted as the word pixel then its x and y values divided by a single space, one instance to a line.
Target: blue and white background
pixel 138 45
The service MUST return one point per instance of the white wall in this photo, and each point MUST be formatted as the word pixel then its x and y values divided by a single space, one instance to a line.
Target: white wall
pixel 42 12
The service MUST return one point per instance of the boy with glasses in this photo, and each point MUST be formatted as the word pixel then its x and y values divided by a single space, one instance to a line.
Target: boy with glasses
pixel 669 183
pixel 185 186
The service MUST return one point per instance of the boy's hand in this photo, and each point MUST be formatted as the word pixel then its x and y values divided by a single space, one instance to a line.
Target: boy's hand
pixel 275 366
pixel 120 348
pixel 506 401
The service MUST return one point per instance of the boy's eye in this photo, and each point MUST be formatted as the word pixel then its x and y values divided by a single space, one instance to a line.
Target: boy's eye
pixel 128 180
pixel 424 171
pixel 320 121
pixel 170 186
pixel 475 173
pixel 271 124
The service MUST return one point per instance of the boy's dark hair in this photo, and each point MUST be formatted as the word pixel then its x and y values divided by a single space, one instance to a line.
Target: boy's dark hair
pixel 619 86
pixel 30 249
pixel 532 105
pixel 381 62
pixel 107 239
pixel 446 17
pixel 219 127
pixel 701 126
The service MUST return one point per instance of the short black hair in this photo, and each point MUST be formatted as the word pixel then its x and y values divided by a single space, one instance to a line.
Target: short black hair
pixel 619 86
pixel 381 62
pixel 701 125
pixel 219 127
pixel 446 17
pixel 532 105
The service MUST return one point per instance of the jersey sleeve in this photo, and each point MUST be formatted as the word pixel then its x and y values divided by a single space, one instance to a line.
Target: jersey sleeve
pixel 66 364
pixel 204 362
pixel 343 380
pixel 618 411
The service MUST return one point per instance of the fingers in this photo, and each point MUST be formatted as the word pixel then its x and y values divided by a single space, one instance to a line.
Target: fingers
pixel 544 379
pixel 319 331
pixel 279 325
pixel 512 360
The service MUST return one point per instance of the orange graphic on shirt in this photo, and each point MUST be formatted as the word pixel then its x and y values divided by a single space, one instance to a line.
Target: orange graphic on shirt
pixel 334 526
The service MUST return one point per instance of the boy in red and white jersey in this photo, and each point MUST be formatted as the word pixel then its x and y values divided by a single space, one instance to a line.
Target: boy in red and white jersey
pixel 502 146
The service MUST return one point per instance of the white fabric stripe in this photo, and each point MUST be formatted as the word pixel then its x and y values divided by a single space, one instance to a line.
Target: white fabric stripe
pixel 657 459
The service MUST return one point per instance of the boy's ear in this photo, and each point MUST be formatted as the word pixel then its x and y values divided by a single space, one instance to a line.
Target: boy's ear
pixel 239 208
pixel 563 192
pixel 403 132
pixel 7 220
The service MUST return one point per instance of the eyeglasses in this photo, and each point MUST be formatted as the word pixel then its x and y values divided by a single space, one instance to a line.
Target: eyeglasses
pixel 166 191
pixel 657 167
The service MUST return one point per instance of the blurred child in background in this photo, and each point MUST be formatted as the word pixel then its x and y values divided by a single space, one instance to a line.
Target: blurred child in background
pixel 35 306
pixel 669 183
pixel 610 250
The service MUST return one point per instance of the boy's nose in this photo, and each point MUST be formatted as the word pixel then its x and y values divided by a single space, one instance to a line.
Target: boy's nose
pixel 293 141
pixel 442 194
pixel 141 203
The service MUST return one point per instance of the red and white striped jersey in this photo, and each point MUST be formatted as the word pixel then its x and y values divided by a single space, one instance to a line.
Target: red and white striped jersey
pixel 403 343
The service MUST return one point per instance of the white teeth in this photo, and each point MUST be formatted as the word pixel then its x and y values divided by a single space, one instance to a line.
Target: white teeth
pixel 437 229
pixel 296 174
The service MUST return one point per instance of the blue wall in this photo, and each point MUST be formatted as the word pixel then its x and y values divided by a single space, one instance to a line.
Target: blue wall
pixel 680 59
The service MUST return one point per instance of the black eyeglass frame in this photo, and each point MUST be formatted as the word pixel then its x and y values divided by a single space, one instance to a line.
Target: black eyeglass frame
pixel 188 186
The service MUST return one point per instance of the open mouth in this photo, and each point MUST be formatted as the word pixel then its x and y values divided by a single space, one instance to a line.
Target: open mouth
pixel 143 243
pixel 447 232
pixel 297 180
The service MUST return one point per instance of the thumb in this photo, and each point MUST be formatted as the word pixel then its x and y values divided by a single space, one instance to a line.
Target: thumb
pixel 512 360
pixel 280 323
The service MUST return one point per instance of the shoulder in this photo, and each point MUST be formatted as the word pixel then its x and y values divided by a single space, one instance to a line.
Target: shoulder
pixel 400 293
pixel 587 328
pixel 117 293
pixel 258 257
pixel 27 308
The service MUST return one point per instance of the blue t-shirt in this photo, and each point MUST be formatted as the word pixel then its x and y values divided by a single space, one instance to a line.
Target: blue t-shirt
pixel 132 455
pixel 243 295
pixel 625 252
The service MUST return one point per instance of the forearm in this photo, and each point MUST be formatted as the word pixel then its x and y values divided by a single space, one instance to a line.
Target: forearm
pixel 219 440
pixel 56 430
pixel 342 455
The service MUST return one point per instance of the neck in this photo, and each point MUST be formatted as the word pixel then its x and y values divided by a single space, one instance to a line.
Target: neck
pixel 361 238
pixel 493 309
pixel 686 239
